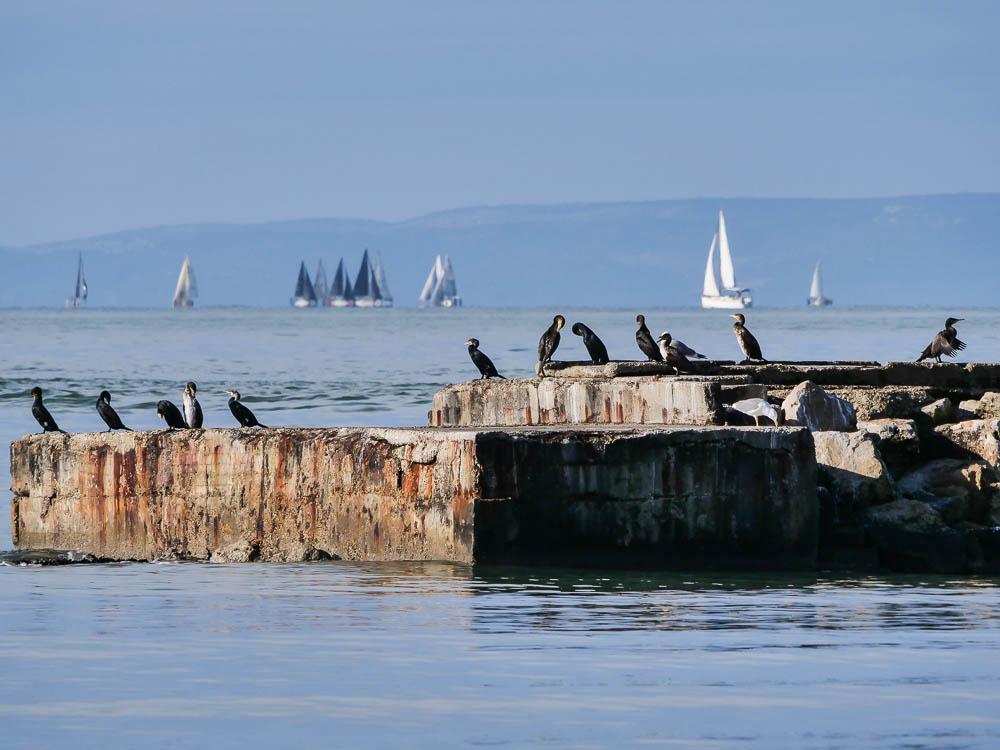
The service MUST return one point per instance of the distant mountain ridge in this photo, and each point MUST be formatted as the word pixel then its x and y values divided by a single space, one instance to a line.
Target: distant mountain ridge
pixel 936 249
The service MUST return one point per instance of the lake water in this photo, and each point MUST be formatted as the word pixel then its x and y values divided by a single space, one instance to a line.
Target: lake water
pixel 428 655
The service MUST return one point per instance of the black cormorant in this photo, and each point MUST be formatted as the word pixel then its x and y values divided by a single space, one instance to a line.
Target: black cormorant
pixel 595 347
pixel 683 348
pixel 40 413
pixel 243 415
pixel 672 356
pixel 548 343
pixel 645 340
pixel 192 409
pixel 946 342
pixel 170 414
pixel 108 413
pixel 485 365
pixel 748 344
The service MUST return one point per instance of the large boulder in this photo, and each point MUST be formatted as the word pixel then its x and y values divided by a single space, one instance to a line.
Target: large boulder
pixel 809 405
pixel 898 439
pixel 910 535
pixel 851 465
pixel 941 411
pixel 989 406
pixel 976 436
pixel 958 489
pixel 968 409
pixel 888 402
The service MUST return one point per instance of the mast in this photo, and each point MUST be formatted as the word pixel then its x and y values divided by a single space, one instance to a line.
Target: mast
pixel 816 290
pixel 726 270
pixel 711 286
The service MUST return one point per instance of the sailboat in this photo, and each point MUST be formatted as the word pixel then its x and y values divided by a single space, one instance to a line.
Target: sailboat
pixel 340 293
pixel 320 285
pixel 366 288
pixel 378 271
pixel 305 295
pixel 440 289
pixel 728 296
pixel 816 298
pixel 187 287
pixel 79 298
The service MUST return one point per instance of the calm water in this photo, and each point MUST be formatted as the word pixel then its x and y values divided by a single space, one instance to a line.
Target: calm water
pixel 430 655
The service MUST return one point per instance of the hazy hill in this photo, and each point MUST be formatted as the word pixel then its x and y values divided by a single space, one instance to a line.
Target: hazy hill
pixel 911 250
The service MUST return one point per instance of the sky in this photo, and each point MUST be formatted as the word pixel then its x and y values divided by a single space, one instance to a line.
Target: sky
pixel 116 115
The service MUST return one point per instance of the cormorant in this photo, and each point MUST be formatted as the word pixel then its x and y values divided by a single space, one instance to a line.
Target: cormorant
pixel 645 340
pixel 40 413
pixel 595 347
pixel 759 408
pixel 108 413
pixel 485 365
pixel 192 409
pixel 243 415
pixel 548 344
pixel 672 356
pixel 946 342
pixel 683 348
pixel 170 414
pixel 746 340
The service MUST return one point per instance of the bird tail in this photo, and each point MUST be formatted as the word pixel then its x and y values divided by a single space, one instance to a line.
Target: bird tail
pixel 127 429
pixel 699 356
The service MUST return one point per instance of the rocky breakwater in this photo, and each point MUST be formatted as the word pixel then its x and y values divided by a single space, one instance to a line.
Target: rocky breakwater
pixel 666 496
pixel 913 487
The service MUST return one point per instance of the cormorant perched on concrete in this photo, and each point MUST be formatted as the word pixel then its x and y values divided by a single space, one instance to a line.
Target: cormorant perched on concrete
pixel 672 356
pixel 548 344
pixel 946 342
pixel 746 340
pixel 645 340
pixel 170 414
pixel 484 364
pixel 108 413
pixel 243 415
pixel 680 346
pixel 40 413
pixel 192 409
pixel 595 347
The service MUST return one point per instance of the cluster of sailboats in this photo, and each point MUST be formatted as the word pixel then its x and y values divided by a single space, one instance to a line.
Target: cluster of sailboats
pixel 370 287
pixel 720 291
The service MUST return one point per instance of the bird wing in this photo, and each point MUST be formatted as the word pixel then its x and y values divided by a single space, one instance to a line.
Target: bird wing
pixel 957 344
pixel 752 347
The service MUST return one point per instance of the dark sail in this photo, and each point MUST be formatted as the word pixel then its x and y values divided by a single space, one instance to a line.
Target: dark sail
pixel 337 288
pixel 303 287
pixel 348 292
pixel 362 287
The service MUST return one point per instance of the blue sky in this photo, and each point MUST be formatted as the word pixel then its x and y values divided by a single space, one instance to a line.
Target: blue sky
pixel 126 114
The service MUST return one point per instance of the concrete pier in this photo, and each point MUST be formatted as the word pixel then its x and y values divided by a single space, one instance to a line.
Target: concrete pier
pixel 670 497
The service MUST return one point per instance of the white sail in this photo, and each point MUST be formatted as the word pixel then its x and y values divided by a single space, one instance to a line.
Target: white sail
pixel 726 270
pixel 816 290
pixel 380 281
pixel 711 287
pixel 431 283
pixel 187 286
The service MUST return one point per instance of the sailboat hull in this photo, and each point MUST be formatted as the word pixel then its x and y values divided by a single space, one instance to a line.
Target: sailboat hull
pixel 819 302
pixel 727 302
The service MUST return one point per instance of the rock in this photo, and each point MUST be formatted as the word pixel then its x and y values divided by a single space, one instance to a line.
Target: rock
pixel 975 436
pixel 941 411
pixel 240 551
pixel 968 409
pixel 989 406
pixel 897 439
pixel 890 402
pixel 851 464
pixel 911 515
pixel 911 536
pixel 809 405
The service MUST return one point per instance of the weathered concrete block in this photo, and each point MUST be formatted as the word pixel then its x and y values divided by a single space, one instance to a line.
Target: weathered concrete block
pixel 555 400
pixel 940 411
pixel 851 464
pixel 671 497
pixel 898 440
pixel 989 406
pixel 890 402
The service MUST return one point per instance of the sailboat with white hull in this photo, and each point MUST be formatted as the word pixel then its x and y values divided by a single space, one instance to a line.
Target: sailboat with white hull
pixel 440 289
pixel 79 298
pixel 187 287
pixel 728 295
pixel 305 294
pixel 340 294
pixel 816 298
